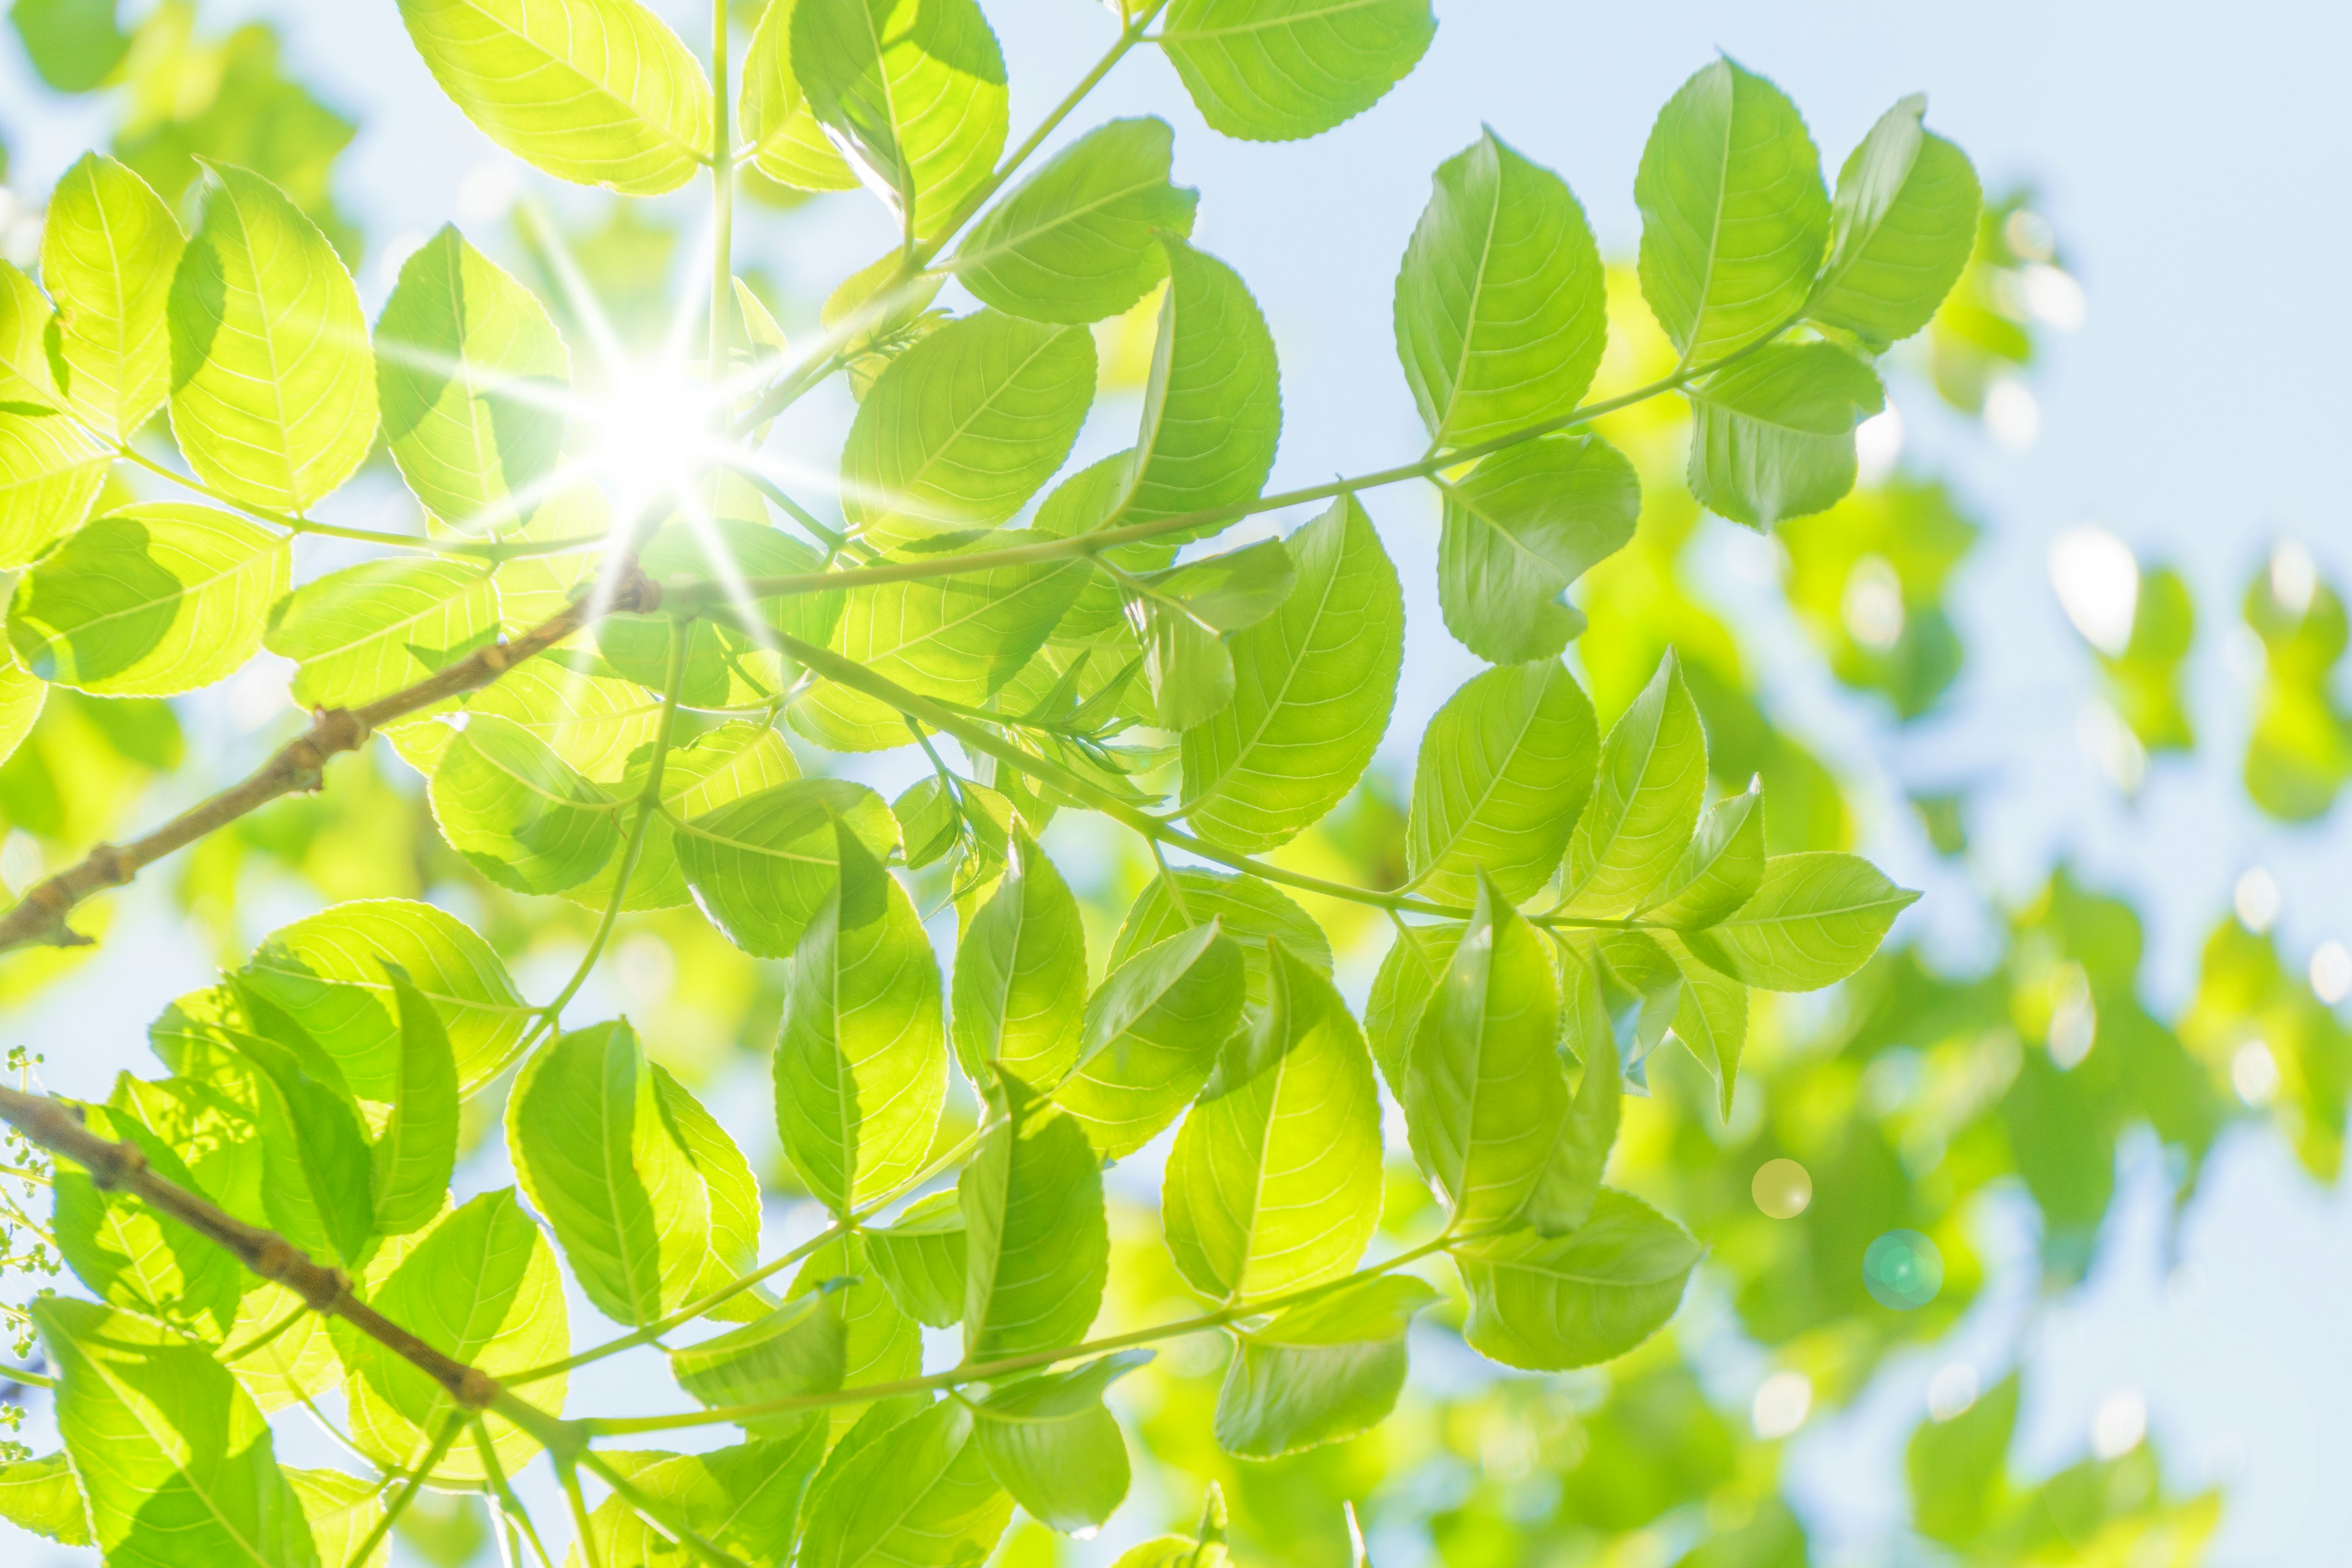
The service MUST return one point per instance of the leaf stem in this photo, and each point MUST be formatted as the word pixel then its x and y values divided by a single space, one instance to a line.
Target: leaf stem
pixel 502 1493
pixel 450 1426
pixel 26 1376
pixel 656 1514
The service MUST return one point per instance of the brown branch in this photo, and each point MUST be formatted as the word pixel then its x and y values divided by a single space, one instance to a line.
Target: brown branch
pixel 57 1126
pixel 40 917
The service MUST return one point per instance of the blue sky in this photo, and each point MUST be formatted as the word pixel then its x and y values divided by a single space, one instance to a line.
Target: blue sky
pixel 2193 161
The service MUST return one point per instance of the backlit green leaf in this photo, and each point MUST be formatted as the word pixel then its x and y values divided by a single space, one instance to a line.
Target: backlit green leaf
pixel 39 1496
pixel 1212 404
pixel 652 1202
pixel 1547 1305
pixel 911 92
pixel 273 387
pixel 599 91
pixel 1051 1444
pixel 1721 866
pixel 522 815
pixel 50 469
pixel 342 1510
pixel 1150 1038
pixel 1323 1370
pixel 319 1171
pixel 861 1064
pixel 1274 71
pixel 1646 801
pixel 761 866
pixel 1484 1092
pixel 1571 1180
pixel 1505 767
pixel 1901 229
pixel 920 1256
pixel 1816 918
pixel 470 372
pixel 150 600
pixel 326 971
pixel 1246 909
pixel 1313 687
pixel 1078 240
pixel 880 1343
pixel 74 44
pixel 1734 217
pixel 368 630
pixel 1274 1180
pixel 1181 613
pixel 1518 531
pixel 412 1157
pixel 482 1287
pixel 1772 436
pixel 1408 976
pixel 175 1462
pixel 963 428
pixel 744 1499
pixel 133 1256
pixel 1021 975
pixel 732 659
pixel 1499 305
pixel 1711 1020
pixel 1040 1243
pixel 794 1350
pixel 716 768
pixel 108 247
pixel 920 1495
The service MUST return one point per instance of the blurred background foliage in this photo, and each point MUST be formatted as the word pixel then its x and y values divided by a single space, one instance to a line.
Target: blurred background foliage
pixel 1911 1097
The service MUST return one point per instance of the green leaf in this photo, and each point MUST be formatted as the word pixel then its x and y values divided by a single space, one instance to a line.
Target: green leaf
pixel 1645 802
pixel 175 1462
pixel 1274 1180
pixel 1734 217
pixel 1571 1181
pixel 1212 404
pixel 1150 1038
pixel 1276 70
pixel 1021 975
pixel 273 388
pixel 1518 531
pixel 22 697
pixel 1321 1370
pixel 861 1064
pixel 761 865
pixel 959 638
pixel 1181 613
pixel 481 1287
pixel 1246 909
pixel 1040 1243
pixel 929 820
pixel 920 1257
pixel 519 813
pixel 342 1510
pixel 1051 1444
pixel 1505 767
pixel 1549 1304
pixel 920 1495
pixel 108 247
pixel 1711 1020
pixel 733 658
pixel 411 1158
pixel 1313 687
pixel 470 372
pixel 368 630
pixel 778 132
pixel 1500 306
pixel 133 1256
pixel 1901 229
pixel 1078 240
pixel 910 92
pixel 1408 976
pixel 1958 1469
pixel 50 469
pixel 1720 867
pixel 1816 918
pixel 744 1499
pixel 74 44
pixel 718 767
pixel 319 1169
pixel 652 1202
pixel 880 1343
pixel 597 91
pixel 800 1348
pixel 1772 436
pixel 963 428
pixel 326 971
pixel 150 600
pixel 39 1496
pixel 1484 1091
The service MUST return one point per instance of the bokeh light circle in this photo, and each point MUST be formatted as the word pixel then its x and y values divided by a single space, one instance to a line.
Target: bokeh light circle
pixel 1782 1188
pixel 1903 1270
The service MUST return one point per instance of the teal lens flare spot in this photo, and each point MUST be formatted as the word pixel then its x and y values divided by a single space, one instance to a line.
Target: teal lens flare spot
pixel 1903 1270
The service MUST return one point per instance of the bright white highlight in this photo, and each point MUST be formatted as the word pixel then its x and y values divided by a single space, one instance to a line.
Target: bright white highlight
pixel 1952 1391
pixel 2098 585
pixel 2254 1073
pixel 2257 901
pixel 2295 576
pixel 2012 414
pixel 1782 1403
pixel 1877 443
pixel 2120 1424
pixel 2331 972
pixel 2074 1020
pixel 2055 299
pixel 1873 607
